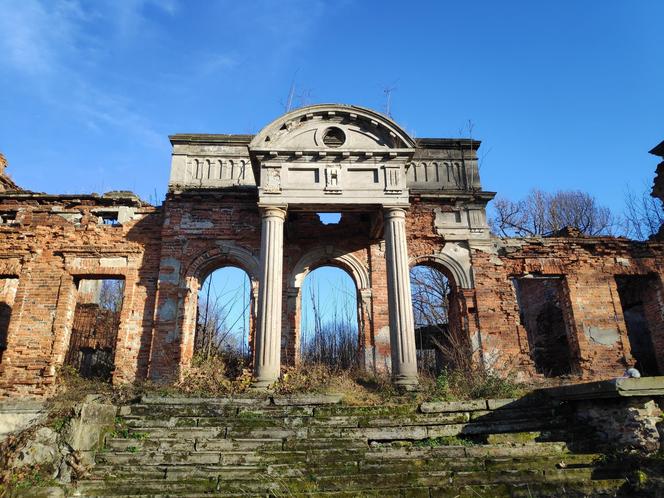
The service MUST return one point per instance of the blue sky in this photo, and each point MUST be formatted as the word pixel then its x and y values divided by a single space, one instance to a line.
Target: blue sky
pixel 564 94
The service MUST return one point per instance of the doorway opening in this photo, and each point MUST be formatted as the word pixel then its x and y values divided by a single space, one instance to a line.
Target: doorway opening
pixel 440 337
pixel 8 286
pixel 542 306
pixel 640 305
pixel 95 327
pixel 223 324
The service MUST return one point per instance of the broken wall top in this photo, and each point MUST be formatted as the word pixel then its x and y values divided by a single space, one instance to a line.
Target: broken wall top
pixel 6 183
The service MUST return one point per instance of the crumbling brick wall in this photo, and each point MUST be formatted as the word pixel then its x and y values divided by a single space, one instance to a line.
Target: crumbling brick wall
pixel 164 254
pixel 53 241
pixel 597 330
pixel 200 234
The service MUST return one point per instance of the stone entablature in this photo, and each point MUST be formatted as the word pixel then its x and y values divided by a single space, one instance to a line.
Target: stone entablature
pixel 332 155
pixel 370 159
pixel 210 162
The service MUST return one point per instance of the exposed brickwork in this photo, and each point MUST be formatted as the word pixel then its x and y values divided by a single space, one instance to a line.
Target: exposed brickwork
pixel 55 240
pixel 544 311
pixel 595 320
pixel 163 254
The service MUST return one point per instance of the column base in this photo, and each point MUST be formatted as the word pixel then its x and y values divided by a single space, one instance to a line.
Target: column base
pixel 408 384
pixel 263 385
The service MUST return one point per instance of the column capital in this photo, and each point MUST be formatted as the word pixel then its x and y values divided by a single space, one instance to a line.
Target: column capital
pixel 271 211
pixel 394 212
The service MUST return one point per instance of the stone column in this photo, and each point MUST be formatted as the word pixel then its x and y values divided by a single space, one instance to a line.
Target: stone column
pixel 402 328
pixel 267 357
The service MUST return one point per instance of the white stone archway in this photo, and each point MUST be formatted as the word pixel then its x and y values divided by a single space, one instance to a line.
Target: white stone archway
pixel 316 258
pixel 322 256
pixel 455 259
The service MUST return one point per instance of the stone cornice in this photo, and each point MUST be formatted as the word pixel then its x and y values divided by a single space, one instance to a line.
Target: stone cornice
pixel 206 138
pixel 447 143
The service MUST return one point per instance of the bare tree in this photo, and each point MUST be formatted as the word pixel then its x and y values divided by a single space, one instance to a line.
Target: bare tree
pixel 430 293
pixel 543 213
pixel 441 334
pixel 216 328
pixel 644 214
pixel 111 294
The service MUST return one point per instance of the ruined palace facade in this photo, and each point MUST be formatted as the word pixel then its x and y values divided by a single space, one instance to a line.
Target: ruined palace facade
pixel 558 305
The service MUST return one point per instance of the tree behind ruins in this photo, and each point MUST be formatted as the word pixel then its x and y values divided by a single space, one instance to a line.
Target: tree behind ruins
pixel 542 213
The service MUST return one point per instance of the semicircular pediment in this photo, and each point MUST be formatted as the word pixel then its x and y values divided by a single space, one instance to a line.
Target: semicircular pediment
pixel 332 126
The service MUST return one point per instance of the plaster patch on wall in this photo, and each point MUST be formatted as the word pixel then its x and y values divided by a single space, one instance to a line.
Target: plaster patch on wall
pixel 172 277
pixel 383 335
pixel 382 353
pixel 173 335
pixel 605 337
pixel 113 262
pixel 189 223
pixel 168 310
pixel 496 261
pixel 71 217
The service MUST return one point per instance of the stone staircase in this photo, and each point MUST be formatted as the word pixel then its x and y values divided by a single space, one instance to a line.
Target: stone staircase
pixel 315 446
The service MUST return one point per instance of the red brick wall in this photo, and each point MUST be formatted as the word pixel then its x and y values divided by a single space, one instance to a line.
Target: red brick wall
pixel 165 253
pixel 47 252
pixel 595 320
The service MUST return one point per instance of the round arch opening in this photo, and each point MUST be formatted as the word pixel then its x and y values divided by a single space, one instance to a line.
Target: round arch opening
pixel 224 321
pixel 441 338
pixel 329 318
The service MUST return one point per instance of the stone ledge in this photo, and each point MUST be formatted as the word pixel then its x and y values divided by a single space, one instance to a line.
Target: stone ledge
pixel 16 415
pixel 452 406
pixel 307 399
pixel 606 389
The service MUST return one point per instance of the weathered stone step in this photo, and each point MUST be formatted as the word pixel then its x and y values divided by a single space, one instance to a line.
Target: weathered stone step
pixel 253 401
pixel 585 489
pixel 302 428
pixel 191 444
pixel 224 451
pixel 178 433
pixel 355 464
pixel 192 416
pixel 389 482
pixel 530 490
pixel 314 443
pixel 464 470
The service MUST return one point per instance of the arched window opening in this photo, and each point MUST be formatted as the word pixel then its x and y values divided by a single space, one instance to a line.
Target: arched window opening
pixel 95 327
pixel 329 319
pixel 224 316
pixel 440 337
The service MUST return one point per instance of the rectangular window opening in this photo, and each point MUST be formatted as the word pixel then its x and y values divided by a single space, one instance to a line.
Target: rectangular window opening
pixel 542 305
pixel 109 218
pixel 329 218
pixel 8 286
pixel 8 218
pixel 95 327
pixel 640 307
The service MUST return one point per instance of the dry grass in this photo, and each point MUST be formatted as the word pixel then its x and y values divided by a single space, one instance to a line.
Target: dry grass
pixel 357 386
pixel 215 375
pixel 229 376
